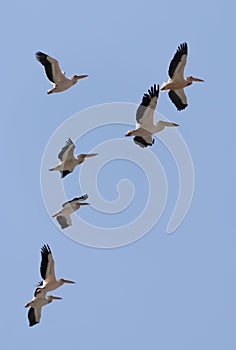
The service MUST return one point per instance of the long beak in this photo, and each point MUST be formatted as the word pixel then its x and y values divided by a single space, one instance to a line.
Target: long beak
pixel 168 123
pixel 197 79
pixel 67 281
pixel 81 76
pixel 27 305
pixel 84 203
pixel 56 298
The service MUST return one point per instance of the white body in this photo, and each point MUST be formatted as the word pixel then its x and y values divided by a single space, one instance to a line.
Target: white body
pixel 63 215
pixel 54 74
pixel 67 160
pixel 177 82
pixel 145 126
pixel 36 304
pixel 48 273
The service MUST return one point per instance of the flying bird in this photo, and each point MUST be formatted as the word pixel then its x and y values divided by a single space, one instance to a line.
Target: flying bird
pixel 63 215
pixel 67 160
pixel 145 127
pixel 40 299
pixel 54 74
pixel 49 281
pixel 177 82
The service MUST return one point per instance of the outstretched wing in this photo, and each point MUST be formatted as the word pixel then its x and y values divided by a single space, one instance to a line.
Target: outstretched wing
pixel 65 172
pixel 178 62
pixel 51 67
pixel 47 264
pixel 67 152
pixel 143 141
pixel 179 98
pixel 64 220
pixel 34 315
pixel 75 200
pixel 145 111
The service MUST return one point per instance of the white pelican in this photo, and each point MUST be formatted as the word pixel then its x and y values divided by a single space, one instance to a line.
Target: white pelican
pixel 145 127
pixel 55 75
pixel 47 272
pixel 67 160
pixel 177 82
pixel 63 215
pixel 40 299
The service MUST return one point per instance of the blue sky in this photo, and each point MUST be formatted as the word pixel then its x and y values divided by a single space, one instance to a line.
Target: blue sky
pixel 163 291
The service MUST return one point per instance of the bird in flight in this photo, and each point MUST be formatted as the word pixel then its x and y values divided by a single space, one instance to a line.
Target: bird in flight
pixel 67 160
pixel 54 74
pixel 145 127
pixel 177 82
pixel 63 215
pixel 39 300
pixel 49 281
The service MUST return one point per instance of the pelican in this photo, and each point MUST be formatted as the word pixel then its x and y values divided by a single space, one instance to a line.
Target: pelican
pixel 40 299
pixel 177 82
pixel 145 127
pixel 47 272
pixel 55 75
pixel 63 215
pixel 67 160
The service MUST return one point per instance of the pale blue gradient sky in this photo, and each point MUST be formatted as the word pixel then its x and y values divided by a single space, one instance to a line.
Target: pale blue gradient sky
pixel 167 292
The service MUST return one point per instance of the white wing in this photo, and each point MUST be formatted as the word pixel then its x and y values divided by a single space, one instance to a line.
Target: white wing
pixel 51 66
pixel 34 315
pixel 177 64
pixel 145 111
pixel 47 264
pixel 67 152
pixel 179 98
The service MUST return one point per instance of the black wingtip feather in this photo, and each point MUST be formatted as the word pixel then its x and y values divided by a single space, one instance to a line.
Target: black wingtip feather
pixel 181 50
pixel 81 198
pixel 31 317
pixel 45 251
pixel 139 140
pixel 64 173
pixel 62 221
pixel 152 92
pixel 42 58
pixel 176 100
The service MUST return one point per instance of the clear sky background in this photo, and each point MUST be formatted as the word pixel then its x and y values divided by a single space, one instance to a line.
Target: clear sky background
pixel 164 291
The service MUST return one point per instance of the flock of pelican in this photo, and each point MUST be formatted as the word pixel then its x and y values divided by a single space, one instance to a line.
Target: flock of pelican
pixel 145 128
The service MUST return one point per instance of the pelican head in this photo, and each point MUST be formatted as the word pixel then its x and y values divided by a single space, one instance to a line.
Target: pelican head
pixel 129 133
pixel 75 78
pixel 62 281
pixel 191 79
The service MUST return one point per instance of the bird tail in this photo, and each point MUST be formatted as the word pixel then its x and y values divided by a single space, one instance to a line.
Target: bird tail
pixel 57 167
pixel 56 214
pixel 49 92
